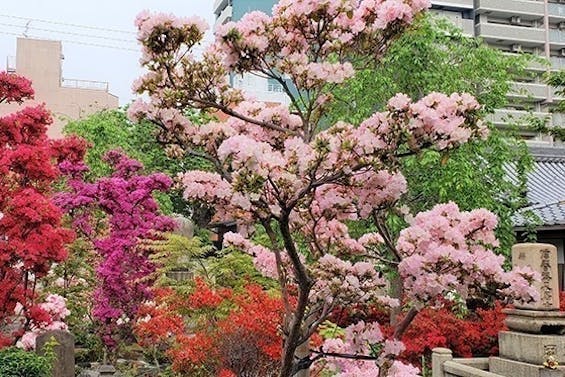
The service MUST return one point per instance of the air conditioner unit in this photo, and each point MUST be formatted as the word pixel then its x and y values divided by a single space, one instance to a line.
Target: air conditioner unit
pixel 515 20
pixel 561 25
pixel 562 52
pixel 516 47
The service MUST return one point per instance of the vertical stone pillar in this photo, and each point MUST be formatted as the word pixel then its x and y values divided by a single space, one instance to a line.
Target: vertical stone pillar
pixel 542 258
pixel 440 356
pixel 64 365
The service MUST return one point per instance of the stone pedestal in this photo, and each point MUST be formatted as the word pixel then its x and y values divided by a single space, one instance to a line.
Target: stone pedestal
pixel 531 348
pixel 535 321
pixel 64 365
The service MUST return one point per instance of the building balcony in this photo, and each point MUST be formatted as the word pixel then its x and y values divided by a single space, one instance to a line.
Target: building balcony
pixel 219 5
pixel 556 12
pixel 557 38
pixel 557 63
pixel 465 4
pixel 530 92
pixel 225 16
pixel 528 10
pixel 505 117
pixel 85 84
pixel 11 64
pixel 510 34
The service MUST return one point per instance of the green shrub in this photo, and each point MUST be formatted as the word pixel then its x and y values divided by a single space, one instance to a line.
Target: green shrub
pixel 15 362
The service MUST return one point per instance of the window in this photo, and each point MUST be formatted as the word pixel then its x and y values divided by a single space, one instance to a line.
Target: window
pixel 274 86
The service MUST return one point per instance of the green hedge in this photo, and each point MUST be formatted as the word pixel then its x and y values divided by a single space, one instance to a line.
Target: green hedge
pixel 15 362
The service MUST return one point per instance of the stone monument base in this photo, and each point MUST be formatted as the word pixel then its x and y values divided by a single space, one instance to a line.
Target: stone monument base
pixel 535 321
pixel 531 348
pixel 512 368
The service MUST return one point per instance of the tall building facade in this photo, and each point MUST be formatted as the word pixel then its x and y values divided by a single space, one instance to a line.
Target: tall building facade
pixel 519 26
pixel 41 62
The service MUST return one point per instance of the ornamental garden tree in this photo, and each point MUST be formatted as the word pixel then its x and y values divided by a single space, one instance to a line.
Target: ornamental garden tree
pixel 32 237
pixel 116 213
pixel 283 170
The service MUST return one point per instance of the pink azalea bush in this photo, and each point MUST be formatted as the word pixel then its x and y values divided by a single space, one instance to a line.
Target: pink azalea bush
pixel 281 168
pixel 54 311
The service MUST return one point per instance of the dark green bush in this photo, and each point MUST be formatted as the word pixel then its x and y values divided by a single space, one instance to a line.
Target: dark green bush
pixel 15 362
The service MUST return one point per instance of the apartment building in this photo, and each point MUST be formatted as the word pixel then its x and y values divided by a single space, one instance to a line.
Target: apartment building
pixel 68 99
pixel 266 90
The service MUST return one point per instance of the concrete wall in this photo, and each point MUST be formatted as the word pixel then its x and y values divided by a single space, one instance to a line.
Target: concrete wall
pixel 40 61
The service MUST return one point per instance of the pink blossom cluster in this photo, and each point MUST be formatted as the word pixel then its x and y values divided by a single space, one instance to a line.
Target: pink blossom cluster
pixel 343 282
pixel 55 307
pixel 264 259
pixel 360 339
pixel 446 250
pixel 155 31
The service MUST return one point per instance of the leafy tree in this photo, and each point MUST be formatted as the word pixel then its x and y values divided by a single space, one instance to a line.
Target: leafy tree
pixel 303 179
pixel 110 129
pixel 434 56
pixel 32 236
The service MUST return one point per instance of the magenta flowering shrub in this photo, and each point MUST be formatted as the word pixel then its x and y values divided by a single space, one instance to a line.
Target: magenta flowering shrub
pixel 131 215
pixel 303 180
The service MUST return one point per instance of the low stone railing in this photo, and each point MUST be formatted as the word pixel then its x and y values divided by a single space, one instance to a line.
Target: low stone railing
pixel 444 365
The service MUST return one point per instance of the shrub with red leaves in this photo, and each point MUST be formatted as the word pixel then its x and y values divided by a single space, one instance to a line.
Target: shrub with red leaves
pixel 14 88
pixel 32 237
pixel 474 335
pixel 230 334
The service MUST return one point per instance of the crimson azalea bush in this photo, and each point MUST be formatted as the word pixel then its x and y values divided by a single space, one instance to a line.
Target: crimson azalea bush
pixel 224 331
pixel 282 169
pixel 32 236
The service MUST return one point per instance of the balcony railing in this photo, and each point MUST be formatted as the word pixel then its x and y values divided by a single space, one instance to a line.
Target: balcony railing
pixel 521 7
pixel 11 64
pixel 85 84
pixel 556 10
pixel 519 34
pixel 529 91
pixel 557 36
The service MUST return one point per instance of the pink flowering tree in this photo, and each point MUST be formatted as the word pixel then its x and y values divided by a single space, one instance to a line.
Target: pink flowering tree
pixel 124 201
pixel 284 170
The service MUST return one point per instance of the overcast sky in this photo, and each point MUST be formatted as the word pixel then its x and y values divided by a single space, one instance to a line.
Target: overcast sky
pixel 117 62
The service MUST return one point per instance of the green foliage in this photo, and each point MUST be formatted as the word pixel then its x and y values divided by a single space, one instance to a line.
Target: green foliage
pixel 15 362
pixel 174 252
pixel 111 129
pixel 435 56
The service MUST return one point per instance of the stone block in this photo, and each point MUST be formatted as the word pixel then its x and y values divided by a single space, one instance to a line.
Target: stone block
pixel 64 365
pixel 535 321
pixel 543 259
pixel 531 348
pixel 512 368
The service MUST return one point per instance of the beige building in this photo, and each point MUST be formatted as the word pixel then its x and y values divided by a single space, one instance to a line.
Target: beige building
pixel 67 99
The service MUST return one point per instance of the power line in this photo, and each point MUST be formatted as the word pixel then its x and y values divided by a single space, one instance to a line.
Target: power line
pixel 78 42
pixel 28 27
pixel 69 24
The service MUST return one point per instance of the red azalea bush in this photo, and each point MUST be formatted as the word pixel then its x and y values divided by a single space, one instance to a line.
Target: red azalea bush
pixel 215 331
pixel 473 335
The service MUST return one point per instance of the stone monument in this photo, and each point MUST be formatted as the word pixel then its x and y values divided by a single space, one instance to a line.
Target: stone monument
pixel 64 349
pixel 534 345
